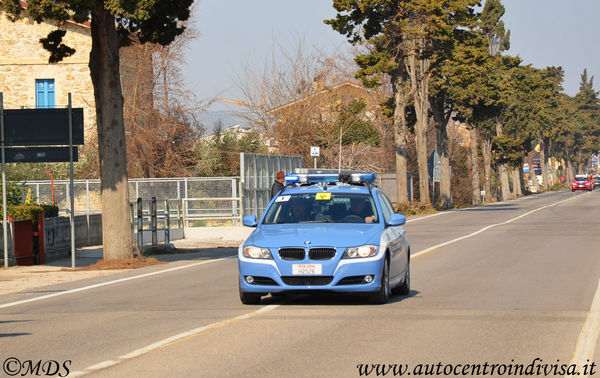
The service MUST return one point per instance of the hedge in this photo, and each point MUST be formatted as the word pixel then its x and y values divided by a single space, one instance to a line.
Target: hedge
pixel 24 212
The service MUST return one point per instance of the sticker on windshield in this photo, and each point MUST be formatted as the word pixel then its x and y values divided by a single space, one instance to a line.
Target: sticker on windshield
pixel 323 196
pixel 282 199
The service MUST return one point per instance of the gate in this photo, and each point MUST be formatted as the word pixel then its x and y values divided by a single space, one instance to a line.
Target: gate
pixel 257 173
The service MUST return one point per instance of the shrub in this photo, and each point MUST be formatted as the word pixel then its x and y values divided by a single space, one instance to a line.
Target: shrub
pixel 50 211
pixel 24 212
pixel 558 186
pixel 415 208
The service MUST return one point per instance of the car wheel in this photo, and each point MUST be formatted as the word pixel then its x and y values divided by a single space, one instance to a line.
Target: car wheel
pixel 404 289
pixel 249 298
pixel 382 295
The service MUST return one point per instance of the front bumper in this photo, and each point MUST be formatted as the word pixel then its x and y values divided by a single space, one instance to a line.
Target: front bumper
pixel 343 275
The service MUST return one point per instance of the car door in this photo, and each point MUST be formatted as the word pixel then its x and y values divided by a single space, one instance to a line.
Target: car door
pixel 396 240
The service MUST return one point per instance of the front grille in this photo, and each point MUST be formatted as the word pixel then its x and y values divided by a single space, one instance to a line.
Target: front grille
pixel 264 281
pixel 292 253
pixel 321 253
pixel 352 280
pixel 306 280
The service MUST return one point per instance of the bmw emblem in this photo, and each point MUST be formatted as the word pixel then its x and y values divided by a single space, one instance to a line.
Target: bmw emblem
pixel 307 243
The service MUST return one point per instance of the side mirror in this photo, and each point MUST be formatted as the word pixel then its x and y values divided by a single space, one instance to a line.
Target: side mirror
pixel 250 221
pixel 396 220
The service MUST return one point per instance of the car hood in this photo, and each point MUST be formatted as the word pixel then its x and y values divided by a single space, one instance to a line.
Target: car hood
pixel 321 235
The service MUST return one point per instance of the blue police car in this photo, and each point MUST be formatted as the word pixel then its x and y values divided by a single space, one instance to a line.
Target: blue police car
pixel 326 232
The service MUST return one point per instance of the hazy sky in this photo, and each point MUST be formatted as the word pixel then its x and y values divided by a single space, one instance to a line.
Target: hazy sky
pixel 232 32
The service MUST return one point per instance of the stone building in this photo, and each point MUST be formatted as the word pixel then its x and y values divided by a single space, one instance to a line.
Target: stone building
pixel 27 80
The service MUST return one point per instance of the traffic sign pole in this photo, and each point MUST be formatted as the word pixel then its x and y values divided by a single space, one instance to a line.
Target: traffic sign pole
pixel 4 205
pixel 72 190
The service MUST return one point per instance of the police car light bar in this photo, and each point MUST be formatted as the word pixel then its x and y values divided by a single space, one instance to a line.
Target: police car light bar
pixel 314 178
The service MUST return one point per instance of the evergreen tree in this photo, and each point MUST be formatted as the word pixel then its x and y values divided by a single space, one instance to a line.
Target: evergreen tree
pixel 407 40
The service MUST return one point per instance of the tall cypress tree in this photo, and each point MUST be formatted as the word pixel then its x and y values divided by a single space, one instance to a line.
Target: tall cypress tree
pixel 407 40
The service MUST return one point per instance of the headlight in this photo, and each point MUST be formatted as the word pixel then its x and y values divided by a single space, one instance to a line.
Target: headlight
pixel 361 251
pixel 257 252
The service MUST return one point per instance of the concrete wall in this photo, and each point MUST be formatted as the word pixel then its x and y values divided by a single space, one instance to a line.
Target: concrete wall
pixel 88 232
pixel 57 230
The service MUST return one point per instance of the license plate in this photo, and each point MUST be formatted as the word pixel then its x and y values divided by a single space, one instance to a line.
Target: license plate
pixel 307 269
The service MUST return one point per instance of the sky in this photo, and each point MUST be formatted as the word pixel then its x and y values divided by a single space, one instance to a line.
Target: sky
pixel 234 32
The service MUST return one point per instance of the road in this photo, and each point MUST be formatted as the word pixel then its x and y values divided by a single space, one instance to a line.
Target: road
pixel 499 284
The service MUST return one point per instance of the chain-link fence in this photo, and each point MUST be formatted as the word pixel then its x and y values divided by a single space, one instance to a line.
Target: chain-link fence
pixel 220 195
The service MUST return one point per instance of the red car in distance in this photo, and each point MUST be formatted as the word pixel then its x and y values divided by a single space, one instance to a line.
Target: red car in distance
pixel 582 182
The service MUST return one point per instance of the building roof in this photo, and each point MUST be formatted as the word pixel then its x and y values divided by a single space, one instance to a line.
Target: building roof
pixel 345 83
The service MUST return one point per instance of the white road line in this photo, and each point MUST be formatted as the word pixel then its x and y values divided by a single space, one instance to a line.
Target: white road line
pixel 586 342
pixel 170 340
pixel 103 365
pixel 486 228
pixel 429 216
pixel 474 207
pixel 35 299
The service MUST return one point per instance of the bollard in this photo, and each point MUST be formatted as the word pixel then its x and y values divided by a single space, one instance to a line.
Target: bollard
pixel 168 226
pixel 140 225
pixel 153 221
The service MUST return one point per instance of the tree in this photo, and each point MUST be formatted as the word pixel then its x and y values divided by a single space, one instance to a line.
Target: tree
pixel 113 24
pixel 588 130
pixel 303 97
pixel 407 40
pixel 219 155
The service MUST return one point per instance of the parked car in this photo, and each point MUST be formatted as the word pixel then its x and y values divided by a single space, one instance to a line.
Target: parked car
pixel 326 232
pixel 596 181
pixel 581 182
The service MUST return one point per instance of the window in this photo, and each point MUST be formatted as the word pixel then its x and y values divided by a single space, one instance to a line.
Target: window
pixel 44 93
pixel 386 206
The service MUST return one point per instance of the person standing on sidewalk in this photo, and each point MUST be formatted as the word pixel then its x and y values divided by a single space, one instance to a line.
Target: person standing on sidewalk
pixel 278 184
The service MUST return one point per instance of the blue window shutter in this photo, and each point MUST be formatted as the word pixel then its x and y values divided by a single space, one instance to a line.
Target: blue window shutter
pixel 40 99
pixel 50 93
pixel 44 93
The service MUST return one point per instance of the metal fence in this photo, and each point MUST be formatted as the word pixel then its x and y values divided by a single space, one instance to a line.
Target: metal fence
pixel 201 199
pixel 258 174
pixel 194 201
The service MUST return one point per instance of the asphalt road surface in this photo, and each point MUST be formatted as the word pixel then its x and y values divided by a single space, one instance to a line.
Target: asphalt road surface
pixel 510 285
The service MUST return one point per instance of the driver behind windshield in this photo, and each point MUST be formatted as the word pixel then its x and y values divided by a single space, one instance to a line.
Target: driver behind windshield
pixel 359 208
pixel 299 211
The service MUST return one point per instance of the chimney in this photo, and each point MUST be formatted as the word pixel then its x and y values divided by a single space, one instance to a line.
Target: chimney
pixel 319 82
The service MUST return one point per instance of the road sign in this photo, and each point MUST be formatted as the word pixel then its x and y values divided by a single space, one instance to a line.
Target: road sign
pixel 435 167
pixel 39 154
pixel 42 127
pixel 314 151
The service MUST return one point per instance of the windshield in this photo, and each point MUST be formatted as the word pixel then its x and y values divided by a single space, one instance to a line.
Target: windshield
pixel 581 178
pixel 323 207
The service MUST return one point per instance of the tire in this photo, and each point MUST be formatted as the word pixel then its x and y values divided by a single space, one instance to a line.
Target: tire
pixel 404 289
pixel 382 295
pixel 249 298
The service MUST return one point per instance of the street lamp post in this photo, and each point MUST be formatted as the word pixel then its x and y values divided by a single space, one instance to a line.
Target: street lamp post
pixel 51 184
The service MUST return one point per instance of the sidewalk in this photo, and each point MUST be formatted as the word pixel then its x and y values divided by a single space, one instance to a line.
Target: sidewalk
pixel 209 244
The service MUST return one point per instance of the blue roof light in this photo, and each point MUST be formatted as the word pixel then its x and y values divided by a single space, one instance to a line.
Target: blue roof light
pixel 292 178
pixel 345 177
pixel 363 177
